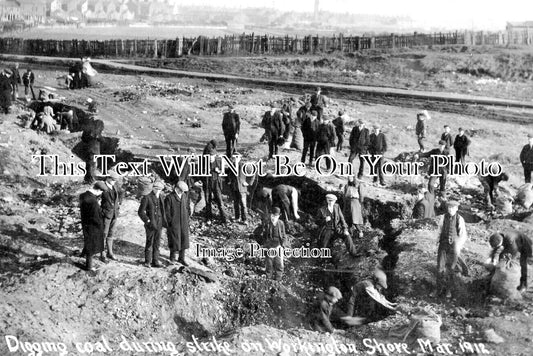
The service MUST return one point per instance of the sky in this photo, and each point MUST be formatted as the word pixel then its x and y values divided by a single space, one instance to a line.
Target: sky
pixel 476 14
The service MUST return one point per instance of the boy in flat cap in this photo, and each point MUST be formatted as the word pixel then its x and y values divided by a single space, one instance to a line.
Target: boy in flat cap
pixel 452 238
pixel 274 237
pixel 152 213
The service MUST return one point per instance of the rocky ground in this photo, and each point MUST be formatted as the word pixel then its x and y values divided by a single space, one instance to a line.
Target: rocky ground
pixel 503 72
pixel 47 296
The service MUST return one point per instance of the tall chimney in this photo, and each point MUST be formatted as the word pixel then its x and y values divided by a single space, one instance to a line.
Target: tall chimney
pixel 316 10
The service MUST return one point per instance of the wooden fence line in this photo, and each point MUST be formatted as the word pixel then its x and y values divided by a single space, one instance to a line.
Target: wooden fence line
pixel 250 44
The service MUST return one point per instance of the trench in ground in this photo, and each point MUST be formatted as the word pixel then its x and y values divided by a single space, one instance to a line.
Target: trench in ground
pixel 256 300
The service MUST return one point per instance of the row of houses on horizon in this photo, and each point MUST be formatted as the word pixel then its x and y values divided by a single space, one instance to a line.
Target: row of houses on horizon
pixel 42 11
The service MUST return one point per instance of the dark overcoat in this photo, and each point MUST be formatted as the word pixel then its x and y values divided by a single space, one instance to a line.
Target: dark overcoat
pixel 177 219
pixel 92 223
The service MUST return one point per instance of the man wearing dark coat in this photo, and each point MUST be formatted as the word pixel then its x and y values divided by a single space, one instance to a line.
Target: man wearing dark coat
pixel 92 223
pixel 152 213
pixel 231 126
pixel 526 158
pixel 91 137
pixel 239 187
pixel 213 190
pixel 5 91
pixel 490 186
pixel 177 219
pixel 16 79
pixel 310 134
pixel 28 79
pixel 378 146
pixel 111 200
pixel 461 144
pixel 333 225
pixel 339 124
pixel 514 243
pixel 325 140
pixel 303 112
pixel 359 141
pixel 318 102
pixel 273 124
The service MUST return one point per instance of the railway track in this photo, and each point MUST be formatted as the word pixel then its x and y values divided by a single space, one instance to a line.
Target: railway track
pixel 478 106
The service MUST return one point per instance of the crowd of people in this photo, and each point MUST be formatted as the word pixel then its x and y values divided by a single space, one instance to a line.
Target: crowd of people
pixel 278 205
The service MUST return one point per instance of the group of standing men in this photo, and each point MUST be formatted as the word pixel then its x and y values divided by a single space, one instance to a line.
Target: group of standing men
pixel 10 79
pixel 98 220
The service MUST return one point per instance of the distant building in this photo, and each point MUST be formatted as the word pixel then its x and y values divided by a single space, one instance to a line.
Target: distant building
pixel 52 7
pixel 520 32
pixel 33 10
pixel 9 11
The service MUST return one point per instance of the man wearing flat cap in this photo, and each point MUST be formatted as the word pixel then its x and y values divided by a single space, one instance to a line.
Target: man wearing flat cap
pixel 443 171
pixel 452 238
pixel 526 158
pixel 177 219
pixel 359 142
pixel 333 225
pixel 231 126
pixel 92 223
pixel 111 200
pixel 152 213
pixel 514 243
pixel 319 318
pixel 378 146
